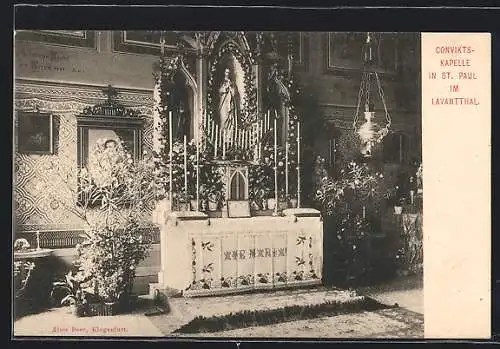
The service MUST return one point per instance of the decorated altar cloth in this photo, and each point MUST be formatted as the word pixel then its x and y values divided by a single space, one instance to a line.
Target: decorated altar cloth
pixel 202 256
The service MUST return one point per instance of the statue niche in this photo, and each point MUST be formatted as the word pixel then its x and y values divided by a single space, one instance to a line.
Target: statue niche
pixel 229 84
pixel 276 98
pixel 180 102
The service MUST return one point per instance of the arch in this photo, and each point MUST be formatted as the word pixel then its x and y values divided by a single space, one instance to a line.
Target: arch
pixel 237 186
pixel 217 40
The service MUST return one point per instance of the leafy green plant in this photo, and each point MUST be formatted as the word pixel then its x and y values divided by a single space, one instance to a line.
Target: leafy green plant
pixel 69 290
pixel 114 242
pixel 108 257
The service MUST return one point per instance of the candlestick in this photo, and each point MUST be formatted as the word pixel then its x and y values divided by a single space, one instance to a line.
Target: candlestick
pixel 275 167
pixel 259 138
pixel 170 155
pixel 212 131
pixel 298 164
pixel 286 168
pixel 38 240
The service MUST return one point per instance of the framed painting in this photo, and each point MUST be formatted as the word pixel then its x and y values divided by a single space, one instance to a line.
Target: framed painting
pixel 104 131
pixel 144 41
pixel 35 133
pixel 71 38
pixel 343 52
pixel 298 44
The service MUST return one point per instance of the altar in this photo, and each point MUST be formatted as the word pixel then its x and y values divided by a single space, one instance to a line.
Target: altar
pixel 228 145
pixel 203 256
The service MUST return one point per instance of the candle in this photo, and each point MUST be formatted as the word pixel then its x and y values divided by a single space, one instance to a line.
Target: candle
pixel 38 240
pixel 275 167
pixel 286 169
pixel 212 131
pixel 223 144
pixel 185 167
pixel 197 174
pixel 216 139
pixel 170 158
pixel 364 212
pixel 298 164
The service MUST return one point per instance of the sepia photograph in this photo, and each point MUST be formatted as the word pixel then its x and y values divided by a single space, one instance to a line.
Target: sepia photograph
pixel 218 184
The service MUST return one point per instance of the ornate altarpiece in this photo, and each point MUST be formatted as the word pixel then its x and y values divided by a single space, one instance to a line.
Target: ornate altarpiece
pixel 234 126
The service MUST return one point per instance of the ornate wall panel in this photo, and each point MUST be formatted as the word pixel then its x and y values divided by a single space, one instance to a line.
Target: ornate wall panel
pixel 37 178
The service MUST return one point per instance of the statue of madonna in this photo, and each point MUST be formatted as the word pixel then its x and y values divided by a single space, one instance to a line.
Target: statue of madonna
pixel 228 103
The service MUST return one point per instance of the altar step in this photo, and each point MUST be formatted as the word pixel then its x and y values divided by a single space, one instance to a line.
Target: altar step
pixel 218 313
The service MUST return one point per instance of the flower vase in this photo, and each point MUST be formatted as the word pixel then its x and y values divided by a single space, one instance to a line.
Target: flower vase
pixel 212 206
pixel 78 310
pixel 293 203
pixel 264 204
pixel 271 203
pixel 255 205
pixel 398 210
pixel 203 205
pixel 194 205
pixel 282 205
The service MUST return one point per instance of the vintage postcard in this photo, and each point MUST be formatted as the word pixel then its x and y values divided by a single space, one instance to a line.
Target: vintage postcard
pixel 216 184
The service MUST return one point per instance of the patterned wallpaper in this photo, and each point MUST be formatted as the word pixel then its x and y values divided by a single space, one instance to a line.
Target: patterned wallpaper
pixel 38 179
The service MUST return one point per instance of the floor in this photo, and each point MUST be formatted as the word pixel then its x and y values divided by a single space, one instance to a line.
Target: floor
pixel 406 321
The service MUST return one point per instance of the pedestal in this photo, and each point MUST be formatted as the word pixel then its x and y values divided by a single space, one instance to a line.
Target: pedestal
pixel 213 256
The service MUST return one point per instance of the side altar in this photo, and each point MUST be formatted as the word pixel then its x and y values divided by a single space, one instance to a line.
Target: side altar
pixel 228 151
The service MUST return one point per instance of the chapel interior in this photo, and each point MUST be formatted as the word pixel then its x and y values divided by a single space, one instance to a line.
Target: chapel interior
pixel 233 94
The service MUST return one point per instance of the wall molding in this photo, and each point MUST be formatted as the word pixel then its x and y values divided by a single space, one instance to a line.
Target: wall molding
pixel 70 97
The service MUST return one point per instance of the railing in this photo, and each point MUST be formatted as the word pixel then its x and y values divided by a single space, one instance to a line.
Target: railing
pixel 64 238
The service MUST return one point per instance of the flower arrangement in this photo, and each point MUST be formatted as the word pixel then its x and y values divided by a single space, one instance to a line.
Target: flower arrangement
pixel 108 257
pixel 261 183
pixel 21 245
pixel 113 193
pixel 212 185
pixel 354 199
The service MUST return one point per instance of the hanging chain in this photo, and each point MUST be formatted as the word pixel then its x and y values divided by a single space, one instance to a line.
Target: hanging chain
pixel 381 93
pixel 360 97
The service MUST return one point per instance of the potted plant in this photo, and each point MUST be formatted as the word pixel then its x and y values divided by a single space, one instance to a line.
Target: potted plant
pixel 115 240
pixel 214 199
pixel 71 293
pixel 398 207
pixel 283 201
pixel 183 202
pixel 212 189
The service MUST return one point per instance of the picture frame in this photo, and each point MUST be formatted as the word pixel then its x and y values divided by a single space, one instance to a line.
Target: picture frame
pixel 92 129
pixel 343 52
pixel 35 133
pixel 144 41
pixel 68 38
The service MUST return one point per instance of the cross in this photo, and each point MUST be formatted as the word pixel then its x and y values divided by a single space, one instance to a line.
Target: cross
pixel 111 93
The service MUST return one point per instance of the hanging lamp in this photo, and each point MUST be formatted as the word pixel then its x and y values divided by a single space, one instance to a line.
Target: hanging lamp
pixel 369 132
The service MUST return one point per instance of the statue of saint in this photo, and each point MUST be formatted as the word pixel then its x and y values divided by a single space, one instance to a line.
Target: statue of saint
pixel 228 106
